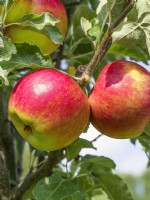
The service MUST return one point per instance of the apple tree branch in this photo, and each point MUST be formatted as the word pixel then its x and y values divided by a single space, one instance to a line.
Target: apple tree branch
pixel 105 43
pixel 4 174
pixel 43 171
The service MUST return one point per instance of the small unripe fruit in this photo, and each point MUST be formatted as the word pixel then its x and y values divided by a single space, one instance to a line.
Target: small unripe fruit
pixel 19 34
pixel 48 109
pixel 120 100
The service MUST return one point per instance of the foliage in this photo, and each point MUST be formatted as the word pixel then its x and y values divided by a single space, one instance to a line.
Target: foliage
pixel 83 177
pixel 94 176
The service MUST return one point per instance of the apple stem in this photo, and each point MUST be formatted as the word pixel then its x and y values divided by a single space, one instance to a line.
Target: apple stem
pixel 105 44
pixel 43 171
pixel 85 79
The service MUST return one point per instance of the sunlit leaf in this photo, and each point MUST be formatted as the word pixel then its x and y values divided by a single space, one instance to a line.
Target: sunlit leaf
pixel 112 6
pixel 7 49
pixel 115 187
pixel 26 56
pixel 135 52
pixel 136 28
pixel 3 76
pixel 104 161
pixel 39 21
pixel 56 188
pixel 2 2
pixel 144 139
pixel 85 25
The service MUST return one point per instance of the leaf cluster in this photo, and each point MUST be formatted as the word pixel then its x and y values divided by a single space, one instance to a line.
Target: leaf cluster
pixel 93 177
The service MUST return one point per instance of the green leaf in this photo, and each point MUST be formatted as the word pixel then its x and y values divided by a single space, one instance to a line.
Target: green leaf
pixel 140 8
pixel 87 184
pixel 112 6
pixel 28 194
pixel 131 33
pixel 39 21
pixel 104 161
pixel 9 3
pixel 7 49
pixel 1 45
pixel 147 129
pixel 26 56
pixel 146 29
pixel 125 30
pixel 144 140
pixel 75 45
pixel 95 31
pixel 94 4
pixel 74 149
pixel 3 76
pixel 91 30
pixel 56 188
pixel 2 2
pixel 81 11
pixel 96 177
pixel 77 40
pixel 114 186
pixel 85 25
pixel 44 23
pixel 96 164
pixel 136 29
pixel 54 33
pixel 135 52
pixel 50 31
pixel 81 58
pixel 95 174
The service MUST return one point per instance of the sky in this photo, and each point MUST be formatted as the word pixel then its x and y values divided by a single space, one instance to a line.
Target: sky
pixel 129 158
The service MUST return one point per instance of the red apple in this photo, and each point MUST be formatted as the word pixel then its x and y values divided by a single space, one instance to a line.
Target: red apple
pixel 120 100
pixel 19 34
pixel 48 109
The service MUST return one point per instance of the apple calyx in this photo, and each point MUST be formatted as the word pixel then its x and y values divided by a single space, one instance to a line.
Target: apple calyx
pixel 27 128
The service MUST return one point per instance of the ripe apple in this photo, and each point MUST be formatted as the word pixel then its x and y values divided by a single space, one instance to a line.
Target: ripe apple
pixel 120 100
pixel 48 109
pixel 19 34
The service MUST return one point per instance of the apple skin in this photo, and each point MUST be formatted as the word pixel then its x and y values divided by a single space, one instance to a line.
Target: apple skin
pixel 120 100
pixel 48 109
pixel 19 34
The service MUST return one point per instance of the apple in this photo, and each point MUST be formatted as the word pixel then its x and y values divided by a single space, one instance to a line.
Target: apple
pixel 19 34
pixel 120 100
pixel 48 109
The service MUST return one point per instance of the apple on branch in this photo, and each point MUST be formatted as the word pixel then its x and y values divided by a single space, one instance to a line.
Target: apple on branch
pixel 22 34
pixel 48 109
pixel 120 100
